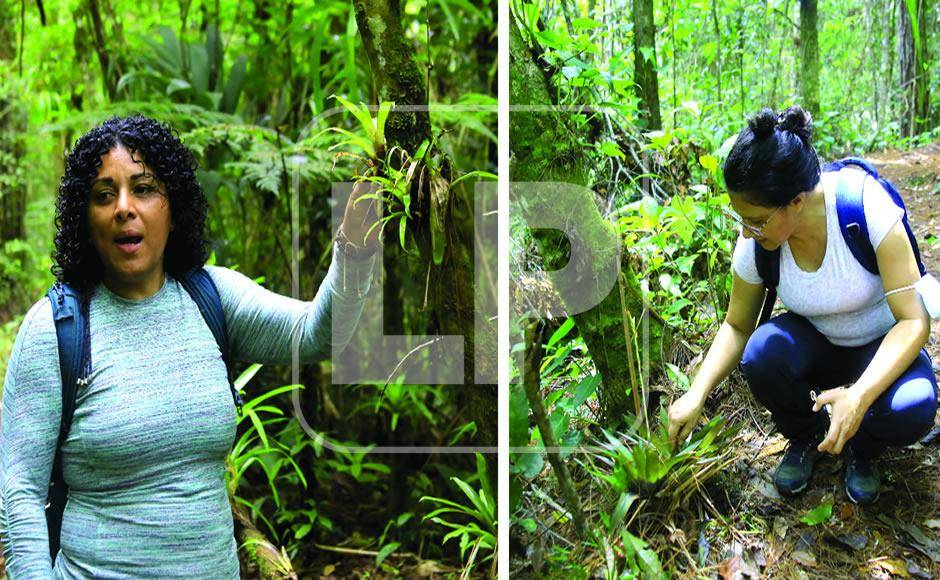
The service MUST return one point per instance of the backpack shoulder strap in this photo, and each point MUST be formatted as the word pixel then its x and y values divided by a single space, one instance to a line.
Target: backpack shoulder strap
pixel 70 315
pixel 852 222
pixel 198 283
pixel 768 268
pixel 855 213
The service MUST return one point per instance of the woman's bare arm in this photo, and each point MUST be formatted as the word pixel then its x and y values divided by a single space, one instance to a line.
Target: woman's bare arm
pixel 723 355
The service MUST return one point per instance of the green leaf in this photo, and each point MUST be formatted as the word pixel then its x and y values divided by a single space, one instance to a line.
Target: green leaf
pixel 384 109
pixel 559 334
pixel 402 226
pixel 272 393
pixel 529 525
pixel 677 376
pixel 620 510
pixel 362 114
pixel 611 149
pixel 518 416
pixel 302 531
pixel 586 388
pixel 354 139
pixel 259 427
pixel 530 463
pixel 199 68
pixel 233 86
pixel 482 174
pixel 586 24
pixel 386 550
pixel 818 515
pixel 246 376
pixel 646 557
pixel 709 162
pixel 177 86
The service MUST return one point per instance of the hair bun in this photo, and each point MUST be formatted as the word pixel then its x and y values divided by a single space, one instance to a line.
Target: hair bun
pixel 762 124
pixel 796 121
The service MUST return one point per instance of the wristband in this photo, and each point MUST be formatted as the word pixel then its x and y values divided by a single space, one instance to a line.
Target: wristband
pixel 350 249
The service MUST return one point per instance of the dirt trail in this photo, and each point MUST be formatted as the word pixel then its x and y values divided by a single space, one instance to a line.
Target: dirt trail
pixel 917 175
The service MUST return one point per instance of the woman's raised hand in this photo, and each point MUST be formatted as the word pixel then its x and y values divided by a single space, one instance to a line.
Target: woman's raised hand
pixel 361 216
pixel 683 415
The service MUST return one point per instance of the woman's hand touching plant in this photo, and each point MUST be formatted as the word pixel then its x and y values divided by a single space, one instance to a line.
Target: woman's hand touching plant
pixel 683 415
pixel 361 217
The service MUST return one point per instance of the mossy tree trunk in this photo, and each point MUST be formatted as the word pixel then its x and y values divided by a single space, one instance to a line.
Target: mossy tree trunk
pixel 914 67
pixel 545 149
pixel 809 56
pixel 13 123
pixel 451 283
pixel 394 70
pixel 644 63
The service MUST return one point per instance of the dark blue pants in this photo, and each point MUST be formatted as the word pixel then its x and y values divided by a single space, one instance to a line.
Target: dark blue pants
pixel 787 357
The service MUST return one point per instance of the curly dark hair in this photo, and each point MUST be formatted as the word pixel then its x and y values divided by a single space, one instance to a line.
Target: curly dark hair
pixel 75 260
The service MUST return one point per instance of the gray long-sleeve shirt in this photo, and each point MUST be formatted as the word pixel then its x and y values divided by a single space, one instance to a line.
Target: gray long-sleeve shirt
pixel 145 456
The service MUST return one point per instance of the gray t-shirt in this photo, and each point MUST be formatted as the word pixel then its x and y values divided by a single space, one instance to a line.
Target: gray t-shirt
pixel 842 299
pixel 145 457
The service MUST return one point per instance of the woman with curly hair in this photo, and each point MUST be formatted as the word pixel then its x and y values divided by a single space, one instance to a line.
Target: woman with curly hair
pixel 144 459
pixel 845 325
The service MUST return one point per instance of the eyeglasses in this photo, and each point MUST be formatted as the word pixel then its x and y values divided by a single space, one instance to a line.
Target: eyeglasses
pixel 757 230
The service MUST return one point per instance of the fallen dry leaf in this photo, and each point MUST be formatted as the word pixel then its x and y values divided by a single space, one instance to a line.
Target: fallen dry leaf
pixel 890 565
pixel 846 511
pixel 729 568
pixel 775 447
pixel 805 558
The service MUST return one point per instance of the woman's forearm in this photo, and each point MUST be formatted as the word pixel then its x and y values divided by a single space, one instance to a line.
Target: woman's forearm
pixel 723 355
pixel 895 354
pixel 263 325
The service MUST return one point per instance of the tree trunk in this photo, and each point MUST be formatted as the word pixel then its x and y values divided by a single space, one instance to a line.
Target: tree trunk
pixel 809 56
pixel 261 558
pixel 531 383
pixel 644 63
pixel 602 327
pixel 8 34
pixel 13 128
pixel 104 59
pixel 451 284
pixel 394 70
pixel 914 71
pixel 717 49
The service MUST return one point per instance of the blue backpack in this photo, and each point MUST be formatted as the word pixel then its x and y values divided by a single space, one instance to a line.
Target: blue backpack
pixel 70 313
pixel 854 229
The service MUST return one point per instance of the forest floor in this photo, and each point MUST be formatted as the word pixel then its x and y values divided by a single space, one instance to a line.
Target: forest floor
pixel 898 536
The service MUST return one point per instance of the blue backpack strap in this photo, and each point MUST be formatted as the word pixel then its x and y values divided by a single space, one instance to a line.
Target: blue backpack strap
pixel 851 211
pixel 70 315
pixel 204 293
pixel 768 268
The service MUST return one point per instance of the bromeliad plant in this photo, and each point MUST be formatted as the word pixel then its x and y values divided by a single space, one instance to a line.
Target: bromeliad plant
pixel 640 468
pixel 643 465
pixel 396 173
pixel 478 532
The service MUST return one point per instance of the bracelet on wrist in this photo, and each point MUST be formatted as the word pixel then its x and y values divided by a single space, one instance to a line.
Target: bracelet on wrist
pixel 350 248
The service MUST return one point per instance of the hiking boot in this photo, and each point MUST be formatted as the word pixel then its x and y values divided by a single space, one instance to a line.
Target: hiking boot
pixel 862 480
pixel 796 468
